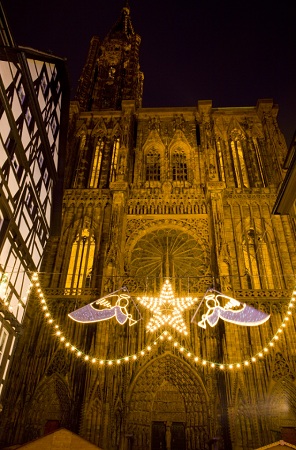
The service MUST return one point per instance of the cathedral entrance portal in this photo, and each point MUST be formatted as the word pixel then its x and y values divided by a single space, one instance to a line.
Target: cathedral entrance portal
pixel 168 407
pixel 168 436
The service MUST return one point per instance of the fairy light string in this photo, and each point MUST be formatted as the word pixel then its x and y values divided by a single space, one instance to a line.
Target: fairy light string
pixel 164 336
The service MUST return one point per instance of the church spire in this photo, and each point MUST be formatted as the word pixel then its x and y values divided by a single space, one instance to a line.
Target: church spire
pixel 123 26
pixel 111 73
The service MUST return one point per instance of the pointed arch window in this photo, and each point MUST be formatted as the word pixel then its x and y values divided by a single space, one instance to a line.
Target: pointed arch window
pixel 179 166
pixel 220 160
pixel 81 261
pixel 114 160
pixel 79 172
pixel 152 165
pixel 257 261
pixel 240 169
pixel 97 163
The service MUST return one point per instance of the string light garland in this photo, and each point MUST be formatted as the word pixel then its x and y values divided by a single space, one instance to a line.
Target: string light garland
pixel 165 335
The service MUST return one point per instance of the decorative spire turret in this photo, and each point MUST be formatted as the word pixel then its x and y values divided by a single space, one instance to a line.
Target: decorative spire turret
pixel 111 73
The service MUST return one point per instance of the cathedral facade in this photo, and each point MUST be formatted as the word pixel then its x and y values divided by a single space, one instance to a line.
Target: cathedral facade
pixel 167 220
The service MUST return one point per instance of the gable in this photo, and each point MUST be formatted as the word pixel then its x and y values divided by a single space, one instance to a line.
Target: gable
pixel 279 445
pixel 60 439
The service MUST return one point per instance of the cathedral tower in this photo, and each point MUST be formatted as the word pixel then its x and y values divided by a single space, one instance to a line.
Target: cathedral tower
pixel 162 206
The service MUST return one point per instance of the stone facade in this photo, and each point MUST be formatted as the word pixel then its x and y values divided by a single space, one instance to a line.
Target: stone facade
pixel 184 194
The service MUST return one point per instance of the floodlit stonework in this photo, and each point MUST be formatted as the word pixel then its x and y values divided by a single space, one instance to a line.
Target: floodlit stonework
pixel 184 194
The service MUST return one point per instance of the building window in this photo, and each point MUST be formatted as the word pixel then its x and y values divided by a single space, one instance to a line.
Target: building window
pixel 96 163
pixel 81 261
pixel 257 261
pixel 240 170
pixel 3 341
pixel 220 160
pixel 44 83
pixel 21 93
pixel 153 166
pixel 179 166
pixel 28 116
pixel 114 161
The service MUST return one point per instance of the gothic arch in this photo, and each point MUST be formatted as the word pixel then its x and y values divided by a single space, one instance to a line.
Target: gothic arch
pixel 100 129
pixel 281 404
pixel 82 131
pixel 153 140
pixel 51 401
pixel 168 389
pixel 256 237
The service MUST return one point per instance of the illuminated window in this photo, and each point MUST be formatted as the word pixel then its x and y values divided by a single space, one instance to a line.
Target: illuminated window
pixel 240 170
pixel 28 116
pixel 96 163
pixel 40 159
pixel 257 261
pixel 21 93
pixel 45 176
pixel 114 161
pixel 220 159
pixel 81 261
pixel 153 166
pixel 179 166
pixel 44 83
pixel 54 125
pixel 14 162
pixel 3 341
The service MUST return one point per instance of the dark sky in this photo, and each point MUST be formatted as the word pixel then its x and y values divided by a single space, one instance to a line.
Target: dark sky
pixel 230 52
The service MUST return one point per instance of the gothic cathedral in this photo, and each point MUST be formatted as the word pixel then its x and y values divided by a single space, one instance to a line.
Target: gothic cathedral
pixel 179 278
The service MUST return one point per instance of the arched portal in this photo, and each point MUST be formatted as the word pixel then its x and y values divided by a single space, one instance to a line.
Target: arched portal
pixel 168 397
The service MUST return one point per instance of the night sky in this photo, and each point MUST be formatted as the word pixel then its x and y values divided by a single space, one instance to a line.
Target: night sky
pixel 230 52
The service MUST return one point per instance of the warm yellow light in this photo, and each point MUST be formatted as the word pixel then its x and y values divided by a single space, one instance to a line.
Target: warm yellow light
pixel 110 363
pixel 212 365
pixel 148 348
pixel 238 365
pixel 222 366
pixel 135 357
pixel 204 362
pixel 79 353
pixel 230 366
pixel 101 362
pixel 86 358
pixel 94 360
pixel 260 354
pixel 73 348
pixel 196 358
pixel 253 359
pixel 118 361
pixel 246 363
pixel 126 358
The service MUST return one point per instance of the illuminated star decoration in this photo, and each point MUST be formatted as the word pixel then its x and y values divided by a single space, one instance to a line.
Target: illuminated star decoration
pixel 233 311
pixel 112 305
pixel 166 309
